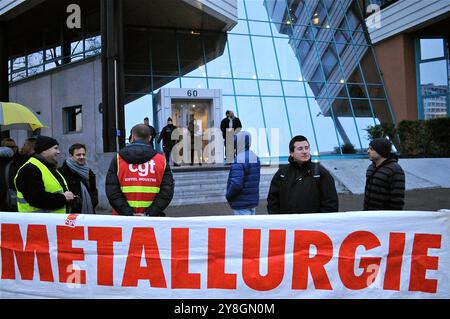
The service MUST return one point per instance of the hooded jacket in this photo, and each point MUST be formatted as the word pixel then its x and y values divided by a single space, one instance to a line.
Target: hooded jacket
pixel 138 153
pixel 300 189
pixel 385 186
pixel 244 177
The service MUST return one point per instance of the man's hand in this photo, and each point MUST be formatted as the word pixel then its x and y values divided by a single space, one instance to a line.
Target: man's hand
pixel 69 196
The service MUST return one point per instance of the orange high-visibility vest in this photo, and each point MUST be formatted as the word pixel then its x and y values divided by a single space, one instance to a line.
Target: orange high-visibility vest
pixel 140 183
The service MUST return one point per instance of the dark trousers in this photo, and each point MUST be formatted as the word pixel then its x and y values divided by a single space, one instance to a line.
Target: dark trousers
pixel 167 150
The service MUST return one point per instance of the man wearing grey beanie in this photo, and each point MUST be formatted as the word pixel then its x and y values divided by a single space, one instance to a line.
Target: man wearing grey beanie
pixel 385 179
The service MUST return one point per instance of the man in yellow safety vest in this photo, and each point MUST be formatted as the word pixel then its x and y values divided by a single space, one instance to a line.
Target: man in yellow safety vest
pixel 40 187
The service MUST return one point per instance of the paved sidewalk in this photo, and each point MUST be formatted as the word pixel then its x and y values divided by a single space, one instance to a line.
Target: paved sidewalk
pixel 424 200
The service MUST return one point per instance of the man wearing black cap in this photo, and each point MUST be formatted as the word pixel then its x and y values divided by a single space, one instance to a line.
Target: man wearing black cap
pixel 385 179
pixel 302 187
pixel 40 187
pixel 166 136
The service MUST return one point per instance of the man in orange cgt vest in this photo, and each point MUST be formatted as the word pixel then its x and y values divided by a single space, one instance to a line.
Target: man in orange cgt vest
pixel 139 181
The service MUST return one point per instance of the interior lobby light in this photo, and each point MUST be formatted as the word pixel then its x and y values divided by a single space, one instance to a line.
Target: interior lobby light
pixel 195 32
pixel 315 20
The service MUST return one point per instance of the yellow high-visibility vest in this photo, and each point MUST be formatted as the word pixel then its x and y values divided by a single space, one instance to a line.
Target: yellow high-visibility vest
pixel 51 184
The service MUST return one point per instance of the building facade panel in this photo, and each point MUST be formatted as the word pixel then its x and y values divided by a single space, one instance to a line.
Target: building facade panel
pixel 407 14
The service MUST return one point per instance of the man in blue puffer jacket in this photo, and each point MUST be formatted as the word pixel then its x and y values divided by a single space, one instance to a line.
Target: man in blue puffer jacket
pixel 243 180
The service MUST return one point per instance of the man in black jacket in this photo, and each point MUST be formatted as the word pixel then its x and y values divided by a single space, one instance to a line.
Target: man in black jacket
pixel 139 181
pixel 81 180
pixel 39 174
pixel 166 137
pixel 302 186
pixel 230 126
pixel 385 179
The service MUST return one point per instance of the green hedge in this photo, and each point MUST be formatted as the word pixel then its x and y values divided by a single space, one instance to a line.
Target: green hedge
pixel 421 138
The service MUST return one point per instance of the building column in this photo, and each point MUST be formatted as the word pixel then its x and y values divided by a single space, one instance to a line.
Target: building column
pixel 112 75
pixel 4 83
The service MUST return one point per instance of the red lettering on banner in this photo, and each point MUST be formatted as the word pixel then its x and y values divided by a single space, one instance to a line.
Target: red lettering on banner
pixel 394 261
pixel 181 278
pixel 217 278
pixel 143 239
pixel 302 261
pixel 67 254
pixel 105 237
pixel 421 262
pixel 37 246
pixel 251 259
pixel 347 259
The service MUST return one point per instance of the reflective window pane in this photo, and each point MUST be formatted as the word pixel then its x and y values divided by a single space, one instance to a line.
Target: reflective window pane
pixel 431 48
pixel 435 107
pixel 434 73
pixel 289 66
pixel 266 61
pixel 252 120
pixel 345 123
pixel 256 10
pixel 260 28
pixel 226 85
pixel 240 28
pixel 327 142
pixel 241 56
pixel 277 124
pixel 270 88
pixel 294 88
pixel 193 83
pixel 246 87
pixel 300 119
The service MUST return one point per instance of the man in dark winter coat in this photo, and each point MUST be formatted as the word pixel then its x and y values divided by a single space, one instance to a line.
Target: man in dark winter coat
pixel 40 187
pixel 81 180
pixel 166 137
pixel 302 186
pixel 244 176
pixel 385 179
pixel 6 162
pixel 139 181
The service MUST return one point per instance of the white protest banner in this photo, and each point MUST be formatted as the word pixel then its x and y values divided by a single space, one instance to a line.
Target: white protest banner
pixel 380 254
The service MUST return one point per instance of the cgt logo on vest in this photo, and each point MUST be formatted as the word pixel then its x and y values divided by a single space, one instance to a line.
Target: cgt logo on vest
pixel 143 169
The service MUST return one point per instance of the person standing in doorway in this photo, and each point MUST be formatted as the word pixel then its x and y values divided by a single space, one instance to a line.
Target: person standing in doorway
pixel 230 126
pixel 385 179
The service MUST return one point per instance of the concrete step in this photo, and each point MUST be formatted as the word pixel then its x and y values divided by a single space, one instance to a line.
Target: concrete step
pixel 212 192
pixel 200 187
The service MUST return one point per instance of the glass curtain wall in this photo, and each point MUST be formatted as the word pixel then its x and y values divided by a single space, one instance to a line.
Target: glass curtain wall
pixel 287 68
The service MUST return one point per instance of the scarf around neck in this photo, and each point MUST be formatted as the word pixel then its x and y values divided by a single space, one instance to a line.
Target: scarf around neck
pixel 82 170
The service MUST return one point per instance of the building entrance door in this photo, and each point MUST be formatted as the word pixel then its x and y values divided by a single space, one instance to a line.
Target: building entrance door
pixel 195 116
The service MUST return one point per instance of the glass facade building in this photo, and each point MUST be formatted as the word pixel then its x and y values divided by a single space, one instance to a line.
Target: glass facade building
pixel 298 67
pixel 287 67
